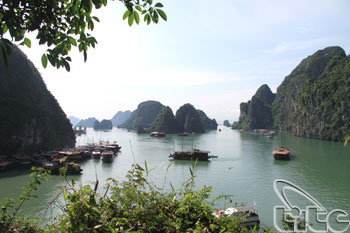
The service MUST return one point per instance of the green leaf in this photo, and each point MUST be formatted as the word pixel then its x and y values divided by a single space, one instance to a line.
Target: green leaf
pixel 85 55
pixel 138 8
pixel 44 60
pixel 4 28
pixel 72 41
pixel 126 14
pixel 137 17
pixel 131 19
pixel 96 19
pixel 155 17
pixel 346 140
pixel 162 14
pixel 146 18
pixel 51 60
pixel 158 4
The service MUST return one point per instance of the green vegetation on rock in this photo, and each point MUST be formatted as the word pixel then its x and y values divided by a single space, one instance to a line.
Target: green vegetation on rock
pixel 165 122
pixel 257 113
pixel 207 123
pixel 31 119
pixel 189 119
pixel 313 101
pixel 143 116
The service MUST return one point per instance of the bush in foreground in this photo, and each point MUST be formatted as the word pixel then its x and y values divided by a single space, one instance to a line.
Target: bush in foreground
pixel 133 205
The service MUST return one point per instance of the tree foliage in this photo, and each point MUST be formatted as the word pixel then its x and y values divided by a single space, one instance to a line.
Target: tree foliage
pixel 132 205
pixel 63 24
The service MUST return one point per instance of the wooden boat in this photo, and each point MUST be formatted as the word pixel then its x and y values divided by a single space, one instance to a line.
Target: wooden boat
pixel 96 155
pixel 195 154
pixel 248 213
pixel 107 156
pixel 157 134
pixel 281 153
pixel 54 167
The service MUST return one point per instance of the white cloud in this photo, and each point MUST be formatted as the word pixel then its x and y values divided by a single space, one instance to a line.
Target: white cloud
pixel 289 46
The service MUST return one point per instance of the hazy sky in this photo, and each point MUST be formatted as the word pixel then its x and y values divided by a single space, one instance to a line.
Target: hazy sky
pixel 212 54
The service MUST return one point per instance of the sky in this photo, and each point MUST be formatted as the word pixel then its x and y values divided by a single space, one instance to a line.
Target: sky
pixel 212 54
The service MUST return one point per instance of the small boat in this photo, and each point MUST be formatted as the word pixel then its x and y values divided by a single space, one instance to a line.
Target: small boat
pixel 248 213
pixel 157 134
pixel 195 154
pixel 54 167
pixel 107 156
pixel 96 155
pixel 281 153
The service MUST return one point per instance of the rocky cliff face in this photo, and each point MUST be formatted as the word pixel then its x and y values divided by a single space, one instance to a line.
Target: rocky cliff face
pixel 88 123
pixel 165 122
pixel 143 116
pixel 31 120
pixel 313 101
pixel 257 113
pixel 189 119
pixel 103 125
pixel 207 123
pixel 120 117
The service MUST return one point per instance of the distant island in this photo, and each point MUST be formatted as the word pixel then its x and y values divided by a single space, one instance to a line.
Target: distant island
pixel 74 120
pixel 103 125
pixel 312 102
pixel 120 117
pixel 87 123
pixel 153 116
pixel 226 123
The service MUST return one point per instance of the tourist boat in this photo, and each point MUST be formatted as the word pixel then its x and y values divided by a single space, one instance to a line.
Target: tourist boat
pixel 107 156
pixel 157 134
pixel 195 154
pixel 96 155
pixel 248 213
pixel 54 167
pixel 281 153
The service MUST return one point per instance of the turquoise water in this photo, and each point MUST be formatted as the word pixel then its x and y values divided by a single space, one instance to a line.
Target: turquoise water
pixel 244 168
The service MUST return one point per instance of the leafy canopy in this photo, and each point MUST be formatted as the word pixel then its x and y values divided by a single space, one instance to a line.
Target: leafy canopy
pixel 61 24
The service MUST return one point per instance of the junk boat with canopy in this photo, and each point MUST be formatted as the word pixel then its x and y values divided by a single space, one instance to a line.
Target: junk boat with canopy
pixel 195 154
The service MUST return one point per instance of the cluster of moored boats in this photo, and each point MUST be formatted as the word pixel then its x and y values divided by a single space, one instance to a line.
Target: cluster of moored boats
pixel 54 161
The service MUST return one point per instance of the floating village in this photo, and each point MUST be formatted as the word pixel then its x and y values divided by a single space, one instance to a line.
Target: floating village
pixel 54 161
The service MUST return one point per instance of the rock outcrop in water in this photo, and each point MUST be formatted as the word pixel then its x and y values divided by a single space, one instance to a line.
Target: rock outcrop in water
pixel 207 123
pixel 227 123
pixel 103 125
pixel 143 116
pixel 31 119
pixel 120 117
pixel 313 101
pixel 87 123
pixel 189 119
pixel 165 122
pixel 73 120
pixel 257 113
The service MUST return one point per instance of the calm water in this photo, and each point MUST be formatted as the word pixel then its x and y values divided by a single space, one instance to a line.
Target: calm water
pixel 244 168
